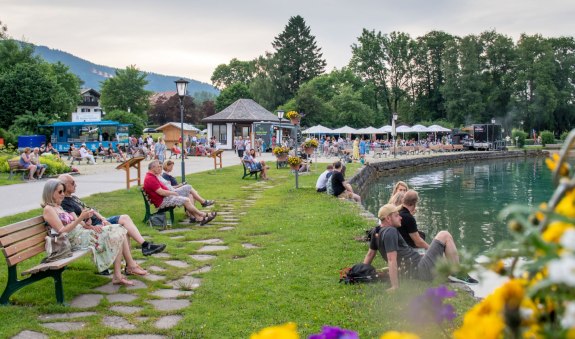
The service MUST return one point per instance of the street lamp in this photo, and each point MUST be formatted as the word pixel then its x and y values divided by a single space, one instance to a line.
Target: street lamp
pixel 493 132
pixel 393 132
pixel 280 116
pixel 181 86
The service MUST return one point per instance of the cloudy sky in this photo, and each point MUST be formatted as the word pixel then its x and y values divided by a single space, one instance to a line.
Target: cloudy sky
pixel 190 38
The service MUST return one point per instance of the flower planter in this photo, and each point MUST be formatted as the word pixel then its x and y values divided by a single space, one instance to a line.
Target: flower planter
pixel 295 167
pixel 309 150
pixel 294 121
pixel 282 157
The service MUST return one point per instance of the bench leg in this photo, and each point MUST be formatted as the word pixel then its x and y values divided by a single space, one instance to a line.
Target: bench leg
pixel 13 284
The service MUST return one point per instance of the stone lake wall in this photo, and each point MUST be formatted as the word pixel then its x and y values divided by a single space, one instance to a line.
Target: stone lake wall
pixel 373 171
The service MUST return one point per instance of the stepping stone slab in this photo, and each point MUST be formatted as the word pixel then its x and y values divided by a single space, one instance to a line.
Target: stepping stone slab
pixel 171 294
pixel 45 317
pixel 121 298
pixel 64 326
pixel 222 223
pixel 126 309
pixel 108 288
pixel 249 246
pixel 161 255
pixel 186 283
pixel 168 321
pixel 178 237
pixel 117 322
pixel 169 304
pixel 210 241
pixel 202 270
pixel 225 213
pixel 137 336
pixel 203 257
pixel 226 228
pixel 138 285
pixel 153 277
pixel 213 248
pixel 30 335
pixel 156 269
pixel 176 230
pixel 177 263
pixel 86 300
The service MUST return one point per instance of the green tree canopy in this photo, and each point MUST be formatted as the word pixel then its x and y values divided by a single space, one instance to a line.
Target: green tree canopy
pixel 236 71
pixel 230 94
pixel 127 118
pixel 125 91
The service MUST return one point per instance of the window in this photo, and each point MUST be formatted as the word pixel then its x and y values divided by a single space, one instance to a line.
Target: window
pixel 85 110
pixel 220 132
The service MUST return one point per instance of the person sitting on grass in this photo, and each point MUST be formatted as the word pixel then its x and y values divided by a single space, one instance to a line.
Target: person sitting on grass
pixel 341 188
pixel 321 183
pixel 398 255
pixel 408 230
pixel 184 189
pixel 162 197
pixel 73 204
pixel 254 165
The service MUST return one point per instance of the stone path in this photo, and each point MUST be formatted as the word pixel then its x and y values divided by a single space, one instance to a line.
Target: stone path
pixel 123 313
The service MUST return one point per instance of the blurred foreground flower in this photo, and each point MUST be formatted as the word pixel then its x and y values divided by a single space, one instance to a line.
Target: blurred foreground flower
pixel 285 331
pixel 429 307
pixel 398 335
pixel 332 332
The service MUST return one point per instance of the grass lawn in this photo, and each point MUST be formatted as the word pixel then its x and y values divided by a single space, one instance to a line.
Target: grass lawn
pixel 304 239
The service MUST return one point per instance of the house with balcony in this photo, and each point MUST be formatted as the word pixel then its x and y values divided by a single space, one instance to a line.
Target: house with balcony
pixel 89 108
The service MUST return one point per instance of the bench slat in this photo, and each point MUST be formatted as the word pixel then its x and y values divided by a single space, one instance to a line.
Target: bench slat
pixel 28 253
pixel 56 264
pixel 24 234
pixel 27 243
pixel 21 225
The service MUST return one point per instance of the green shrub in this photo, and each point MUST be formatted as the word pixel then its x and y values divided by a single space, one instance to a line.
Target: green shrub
pixel 521 137
pixel 564 135
pixel 4 168
pixel 55 165
pixel 547 137
pixel 9 138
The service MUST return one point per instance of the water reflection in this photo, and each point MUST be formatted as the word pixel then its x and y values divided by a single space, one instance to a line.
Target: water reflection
pixel 465 199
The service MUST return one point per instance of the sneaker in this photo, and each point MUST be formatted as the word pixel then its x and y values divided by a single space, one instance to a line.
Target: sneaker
pixel 465 279
pixel 208 203
pixel 152 248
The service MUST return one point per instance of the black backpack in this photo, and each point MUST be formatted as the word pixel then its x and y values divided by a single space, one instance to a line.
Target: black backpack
pixel 358 273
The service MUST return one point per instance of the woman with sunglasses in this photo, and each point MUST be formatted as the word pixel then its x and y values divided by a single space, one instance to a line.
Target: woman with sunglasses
pixel 106 243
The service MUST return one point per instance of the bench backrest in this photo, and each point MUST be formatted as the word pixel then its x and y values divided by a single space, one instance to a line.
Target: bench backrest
pixel 23 240
pixel 76 154
pixel 14 164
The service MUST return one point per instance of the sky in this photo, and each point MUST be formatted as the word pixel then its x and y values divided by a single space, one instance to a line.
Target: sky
pixel 191 38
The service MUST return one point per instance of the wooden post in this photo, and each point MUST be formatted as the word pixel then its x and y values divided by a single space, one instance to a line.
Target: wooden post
pixel 136 163
pixel 217 154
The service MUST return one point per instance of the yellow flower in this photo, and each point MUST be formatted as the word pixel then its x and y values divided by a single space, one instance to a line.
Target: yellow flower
pixel 511 293
pixel 498 267
pixel 555 230
pixel 552 164
pixel 533 332
pixel 539 214
pixel 398 335
pixel 481 327
pixel 285 331
pixel 566 206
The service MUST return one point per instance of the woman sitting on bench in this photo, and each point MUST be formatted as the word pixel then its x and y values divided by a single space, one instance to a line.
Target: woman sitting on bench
pixel 105 242
pixel 254 165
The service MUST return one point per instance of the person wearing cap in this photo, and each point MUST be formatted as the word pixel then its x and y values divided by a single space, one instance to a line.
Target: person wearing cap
pixel 396 252
pixel 409 230
pixel 85 154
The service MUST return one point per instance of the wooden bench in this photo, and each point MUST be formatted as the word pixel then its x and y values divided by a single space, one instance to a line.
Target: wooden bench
pixel 22 241
pixel 423 150
pixel 248 172
pixel 378 151
pixel 75 156
pixel 148 204
pixel 435 148
pixel 15 167
pixel 458 147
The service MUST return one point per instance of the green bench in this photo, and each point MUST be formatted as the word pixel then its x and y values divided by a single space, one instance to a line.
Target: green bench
pixel 23 241
pixel 148 205
pixel 248 172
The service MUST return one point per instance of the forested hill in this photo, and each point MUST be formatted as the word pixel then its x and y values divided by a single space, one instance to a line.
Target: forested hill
pixel 93 74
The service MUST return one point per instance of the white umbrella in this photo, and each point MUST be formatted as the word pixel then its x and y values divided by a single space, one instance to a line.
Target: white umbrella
pixel 419 129
pixel 437 128
pixel 368 130
pixel 384 129
pixel 319 129
pixel 404 129
pixel 345 130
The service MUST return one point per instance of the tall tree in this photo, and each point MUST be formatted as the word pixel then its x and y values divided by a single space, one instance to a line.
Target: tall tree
pixel 166 110
pixel 236 71
pixel 564 80
pixel 298 58
pixel 125 91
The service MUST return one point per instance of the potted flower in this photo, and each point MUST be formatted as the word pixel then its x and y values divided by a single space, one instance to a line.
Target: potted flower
pixel 294 117
pixel 310 145
pixel 281 152
pixel 294 162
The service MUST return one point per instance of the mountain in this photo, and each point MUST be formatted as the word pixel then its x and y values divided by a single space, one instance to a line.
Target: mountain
pixel 93 74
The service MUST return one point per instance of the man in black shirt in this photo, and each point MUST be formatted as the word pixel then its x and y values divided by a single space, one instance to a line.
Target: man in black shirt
pixel 408 229
pixel 395 251
pixel 341 188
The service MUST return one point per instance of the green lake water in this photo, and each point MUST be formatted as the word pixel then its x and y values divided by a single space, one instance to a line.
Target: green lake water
pixel 466 198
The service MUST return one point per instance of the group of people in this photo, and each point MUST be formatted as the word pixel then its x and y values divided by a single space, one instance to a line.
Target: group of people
pixel 107 238
pixel 30 159
pixel 332 181
pixel 403 246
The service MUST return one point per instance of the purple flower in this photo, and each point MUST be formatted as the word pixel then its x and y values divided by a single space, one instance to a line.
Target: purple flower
pixel 332 332
pixel 429 307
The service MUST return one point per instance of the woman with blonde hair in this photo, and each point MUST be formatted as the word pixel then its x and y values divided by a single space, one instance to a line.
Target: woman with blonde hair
pixel 397 198
pixel 160 149
pixel 400 186
pixel 26 162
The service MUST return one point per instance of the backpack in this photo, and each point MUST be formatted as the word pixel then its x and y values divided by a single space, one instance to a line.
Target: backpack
pixel 358 273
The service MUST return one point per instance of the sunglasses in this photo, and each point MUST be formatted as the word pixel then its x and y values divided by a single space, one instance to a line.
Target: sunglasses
pixel 60 191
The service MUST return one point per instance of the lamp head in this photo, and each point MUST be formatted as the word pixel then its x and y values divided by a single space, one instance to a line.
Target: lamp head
pixel 181 86
pixel 280 114
pixel 394 116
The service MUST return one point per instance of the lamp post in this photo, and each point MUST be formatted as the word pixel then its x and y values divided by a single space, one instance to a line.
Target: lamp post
pixel 280 116
pixel 393 131
pixel 181 86
pixel 493 131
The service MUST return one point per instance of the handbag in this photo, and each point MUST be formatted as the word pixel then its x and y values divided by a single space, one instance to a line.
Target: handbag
pixel 57 247
pixel 158 219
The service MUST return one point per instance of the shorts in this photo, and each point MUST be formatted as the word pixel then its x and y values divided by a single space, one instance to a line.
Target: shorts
pixel 256 166
pixel 171 201
pixel 184 191
pixel 114 219
pixel 426 265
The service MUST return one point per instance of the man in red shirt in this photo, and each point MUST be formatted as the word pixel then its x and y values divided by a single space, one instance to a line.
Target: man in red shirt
pixel 162 197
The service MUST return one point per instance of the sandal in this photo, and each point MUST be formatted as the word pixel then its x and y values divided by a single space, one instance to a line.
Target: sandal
pixel 123 281
pixel 208 203
pixel 136 270
pixel 208 218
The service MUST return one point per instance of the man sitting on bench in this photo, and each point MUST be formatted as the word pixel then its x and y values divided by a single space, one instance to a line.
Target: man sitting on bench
pixel 162 197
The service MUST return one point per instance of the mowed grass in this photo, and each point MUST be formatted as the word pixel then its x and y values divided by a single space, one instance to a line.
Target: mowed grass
pixel 304 239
